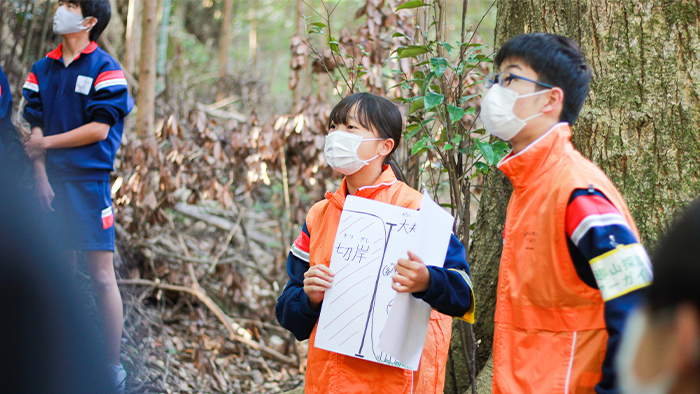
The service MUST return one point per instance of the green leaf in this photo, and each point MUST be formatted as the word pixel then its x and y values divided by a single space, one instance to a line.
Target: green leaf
pixel 500 149
pixel 318 24
pixel 418 104
pixel 412 130
pixel 432 100
pixel 457 139
pixel 447 146
pixel 413 51
pixel 398 35
pixel 480 167
pixel 439 65
pixel 411 4
pixel 446 46
pixel 467 98
pixel 426 83
pixel 486 150
pixel 456 113
pixel 470 111
pixel 422 145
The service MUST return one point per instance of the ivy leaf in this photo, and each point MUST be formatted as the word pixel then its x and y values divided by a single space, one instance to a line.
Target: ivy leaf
pixel 440 65
pixel 418 104
pixel 410 4
pixel 432 100
pixel 456 113
pixel 486 150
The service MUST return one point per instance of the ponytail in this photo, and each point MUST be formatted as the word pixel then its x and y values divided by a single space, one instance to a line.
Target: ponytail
pixel 397 171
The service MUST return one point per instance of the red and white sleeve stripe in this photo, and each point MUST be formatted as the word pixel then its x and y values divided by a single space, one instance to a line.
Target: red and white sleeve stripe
pixel 110 78
pixel 586 212
pixel 300 247
pixel 31 83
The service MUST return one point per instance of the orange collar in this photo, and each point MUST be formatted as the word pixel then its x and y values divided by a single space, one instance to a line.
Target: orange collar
pixel 386 179
pixel 57 53
pixel 537 157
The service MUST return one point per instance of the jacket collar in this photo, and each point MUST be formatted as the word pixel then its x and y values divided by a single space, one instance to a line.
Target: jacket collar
pixel 57 53
pixel 385 180
pixel 537 157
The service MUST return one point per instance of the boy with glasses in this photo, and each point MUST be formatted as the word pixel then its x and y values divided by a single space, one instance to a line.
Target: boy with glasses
pixel 572 265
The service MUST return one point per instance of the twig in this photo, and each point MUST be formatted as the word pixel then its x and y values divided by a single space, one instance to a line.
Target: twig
pixel 230 235
pixel 227 321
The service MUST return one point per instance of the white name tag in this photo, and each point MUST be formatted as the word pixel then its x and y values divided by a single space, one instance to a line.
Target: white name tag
pixel 83 85
pixel 622 270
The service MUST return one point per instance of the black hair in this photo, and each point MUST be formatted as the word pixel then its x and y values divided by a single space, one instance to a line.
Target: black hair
pixel 558 61
pixel 676 264
pixel 373 113
pixel 100 9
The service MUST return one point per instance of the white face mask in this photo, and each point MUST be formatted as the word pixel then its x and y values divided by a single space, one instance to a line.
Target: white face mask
pixel 627 377
pixel 66 22
pixel 341 152
pixel 497 112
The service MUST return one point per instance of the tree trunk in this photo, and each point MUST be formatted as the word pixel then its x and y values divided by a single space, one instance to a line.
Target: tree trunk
pixel 133 36
pixel 147 70
pixel 115 30
pixel 225 39
pixel 639 123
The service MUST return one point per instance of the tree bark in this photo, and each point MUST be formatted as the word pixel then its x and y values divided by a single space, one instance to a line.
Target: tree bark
pixel 133 36
pixel 639 124
pixel 224 41
pixel 147 70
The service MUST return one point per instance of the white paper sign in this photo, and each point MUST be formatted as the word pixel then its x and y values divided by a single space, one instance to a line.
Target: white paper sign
pixel 371 237
pixel 404 333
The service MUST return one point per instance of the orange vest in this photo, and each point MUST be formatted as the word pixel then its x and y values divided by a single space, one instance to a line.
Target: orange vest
pixel 328 372
pixel 549 334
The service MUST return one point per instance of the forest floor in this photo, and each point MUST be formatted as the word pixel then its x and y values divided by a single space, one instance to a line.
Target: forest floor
pixel 199 304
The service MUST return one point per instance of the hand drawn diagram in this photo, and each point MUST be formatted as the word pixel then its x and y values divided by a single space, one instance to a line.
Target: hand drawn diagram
pixel 371 237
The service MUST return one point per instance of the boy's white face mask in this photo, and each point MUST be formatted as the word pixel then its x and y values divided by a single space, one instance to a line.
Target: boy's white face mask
pixel 341 152
pixel 497 112
pixel 66 22
pixel 637 324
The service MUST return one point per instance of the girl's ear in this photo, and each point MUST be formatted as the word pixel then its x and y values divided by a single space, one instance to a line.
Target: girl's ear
pixel 386 147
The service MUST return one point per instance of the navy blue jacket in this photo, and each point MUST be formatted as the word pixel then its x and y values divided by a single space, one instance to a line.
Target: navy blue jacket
pixel 60 99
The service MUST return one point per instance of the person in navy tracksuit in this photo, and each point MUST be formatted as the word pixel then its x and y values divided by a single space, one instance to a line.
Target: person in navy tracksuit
pixel 77 99
pixel 12 156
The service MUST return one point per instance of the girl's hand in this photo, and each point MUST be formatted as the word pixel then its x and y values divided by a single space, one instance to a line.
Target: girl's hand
pixel 317 280
pixel 35 146
pixel 412 275
pixel 44 193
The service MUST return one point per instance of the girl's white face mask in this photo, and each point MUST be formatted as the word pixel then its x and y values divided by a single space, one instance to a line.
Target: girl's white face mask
pixel 497 112
pixel 341 151
pixel 637 324
pixel 66 22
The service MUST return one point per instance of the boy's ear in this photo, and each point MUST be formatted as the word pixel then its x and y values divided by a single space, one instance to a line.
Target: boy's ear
pixel 90 22
pixel 555 100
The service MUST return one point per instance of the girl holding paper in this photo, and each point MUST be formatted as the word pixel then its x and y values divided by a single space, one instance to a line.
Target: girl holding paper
pixel 364 130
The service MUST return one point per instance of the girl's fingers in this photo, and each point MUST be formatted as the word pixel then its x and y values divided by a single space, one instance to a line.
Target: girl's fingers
pixel 414 257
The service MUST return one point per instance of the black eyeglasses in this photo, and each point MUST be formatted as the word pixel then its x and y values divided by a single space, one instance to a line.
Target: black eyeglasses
pixel 505 78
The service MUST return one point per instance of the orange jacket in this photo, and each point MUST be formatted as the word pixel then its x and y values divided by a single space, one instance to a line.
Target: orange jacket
pixel 328 372
pixel 549 332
